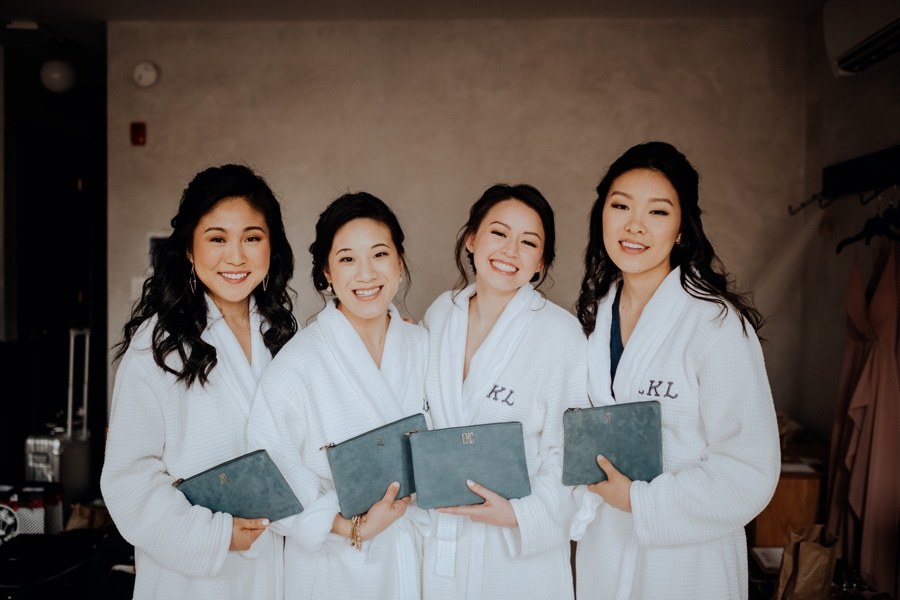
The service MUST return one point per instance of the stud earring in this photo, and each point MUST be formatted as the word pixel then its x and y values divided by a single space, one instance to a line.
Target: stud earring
pixel 678 239
pixel 265 282
pixel 192 281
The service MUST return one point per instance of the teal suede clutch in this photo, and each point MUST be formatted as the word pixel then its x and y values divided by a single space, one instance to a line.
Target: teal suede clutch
pixel 249 486
pixel 628 434
pixel 490 454
pixel 363 466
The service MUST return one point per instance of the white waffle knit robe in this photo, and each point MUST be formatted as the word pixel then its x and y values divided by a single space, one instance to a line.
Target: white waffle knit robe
pixel 324 387
pixel 721 458
pixel 161 430
pixel 530 368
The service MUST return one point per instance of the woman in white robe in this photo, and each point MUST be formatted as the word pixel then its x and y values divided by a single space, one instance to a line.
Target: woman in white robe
pixel 663 325
pixel 358 366
pixel 212 314
pixel 501 351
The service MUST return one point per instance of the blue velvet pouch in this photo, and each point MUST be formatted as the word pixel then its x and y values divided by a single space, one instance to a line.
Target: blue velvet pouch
pixel 628 434
pixel 363 466
pixel 249 486
pixel 491 454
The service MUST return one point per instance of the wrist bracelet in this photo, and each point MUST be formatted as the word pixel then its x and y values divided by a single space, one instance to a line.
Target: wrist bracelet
pixel 355 535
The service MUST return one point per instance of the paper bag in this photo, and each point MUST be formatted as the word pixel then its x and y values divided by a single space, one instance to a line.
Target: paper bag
pixel 807 567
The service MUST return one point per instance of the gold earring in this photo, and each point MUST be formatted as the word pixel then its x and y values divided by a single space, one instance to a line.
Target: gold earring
pixel 192 281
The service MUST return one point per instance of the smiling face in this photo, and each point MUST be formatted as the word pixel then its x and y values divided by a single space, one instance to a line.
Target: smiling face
pixel 507 247
pixel 230 252
pixel 641 221
pixel 364 270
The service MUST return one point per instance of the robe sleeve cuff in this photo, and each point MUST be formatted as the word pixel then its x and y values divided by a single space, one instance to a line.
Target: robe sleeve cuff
pixel 586 503
pixel 312 528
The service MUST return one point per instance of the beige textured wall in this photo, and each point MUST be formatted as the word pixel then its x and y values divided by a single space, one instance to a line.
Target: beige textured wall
pixel 426 115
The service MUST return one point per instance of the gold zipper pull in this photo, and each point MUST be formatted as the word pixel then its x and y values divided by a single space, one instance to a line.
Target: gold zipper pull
pixel 178 482
pixel 327 446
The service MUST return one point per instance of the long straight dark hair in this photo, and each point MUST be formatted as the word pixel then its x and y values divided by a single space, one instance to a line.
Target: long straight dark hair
pixel 703 275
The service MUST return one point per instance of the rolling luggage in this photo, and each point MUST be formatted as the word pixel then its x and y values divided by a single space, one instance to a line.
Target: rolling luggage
pixel 63 456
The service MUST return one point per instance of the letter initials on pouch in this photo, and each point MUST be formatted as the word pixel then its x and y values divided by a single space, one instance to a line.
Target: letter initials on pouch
pixel 223 478
pixel 607 417
pixel 468 437
pixel 378 441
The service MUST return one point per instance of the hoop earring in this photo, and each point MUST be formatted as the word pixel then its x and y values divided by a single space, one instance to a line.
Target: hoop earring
pixel 329 291
pixel 192 281
pixel 265 282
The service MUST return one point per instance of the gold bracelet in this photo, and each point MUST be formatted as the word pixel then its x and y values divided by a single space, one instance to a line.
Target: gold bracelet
pixel 355 535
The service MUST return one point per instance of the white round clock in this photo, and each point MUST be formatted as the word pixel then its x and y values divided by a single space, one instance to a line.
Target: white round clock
pixel 145 74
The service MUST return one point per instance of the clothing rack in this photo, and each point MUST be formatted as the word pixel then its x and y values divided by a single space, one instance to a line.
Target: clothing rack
pixel 868 176
pixel 885 223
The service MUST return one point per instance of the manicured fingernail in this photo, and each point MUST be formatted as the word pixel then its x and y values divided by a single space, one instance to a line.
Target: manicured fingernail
pixel 470 483
pixel 265 522
pixel 600 457
pixel 396 484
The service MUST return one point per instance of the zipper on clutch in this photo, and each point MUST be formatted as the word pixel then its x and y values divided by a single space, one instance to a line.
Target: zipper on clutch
pixel 572 409
pixel 327 446
pixel 178 482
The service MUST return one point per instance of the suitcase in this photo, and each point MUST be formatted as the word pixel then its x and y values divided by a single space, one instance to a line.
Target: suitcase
pixel 63 456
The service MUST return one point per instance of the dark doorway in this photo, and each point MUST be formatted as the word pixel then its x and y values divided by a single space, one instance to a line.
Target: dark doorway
pixel 54 238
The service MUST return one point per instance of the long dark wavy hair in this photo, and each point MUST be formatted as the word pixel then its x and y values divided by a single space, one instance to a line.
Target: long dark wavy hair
pixel 497 193
pixel 702 274
pixel 346 208
pixel 182 312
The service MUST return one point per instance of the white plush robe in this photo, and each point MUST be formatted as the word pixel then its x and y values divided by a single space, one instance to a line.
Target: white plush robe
pixel 324 387
pixel 685 536
pixel 159 431
pixel 529 368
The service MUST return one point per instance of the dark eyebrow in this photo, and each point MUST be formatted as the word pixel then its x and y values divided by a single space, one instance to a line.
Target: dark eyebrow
pixel 378 245
pixel 508 227
pixel 630 197
pixel 246 229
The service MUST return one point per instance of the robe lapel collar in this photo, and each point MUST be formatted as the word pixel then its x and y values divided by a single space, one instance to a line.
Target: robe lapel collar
pixel 656 322
pixel 240 376
pixel 376 387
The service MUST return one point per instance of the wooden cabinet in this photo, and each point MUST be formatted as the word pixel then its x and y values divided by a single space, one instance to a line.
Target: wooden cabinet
pixel 795 504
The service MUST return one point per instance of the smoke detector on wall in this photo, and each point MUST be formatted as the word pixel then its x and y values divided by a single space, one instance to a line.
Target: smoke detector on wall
pixel 860 33
pixel 145 74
